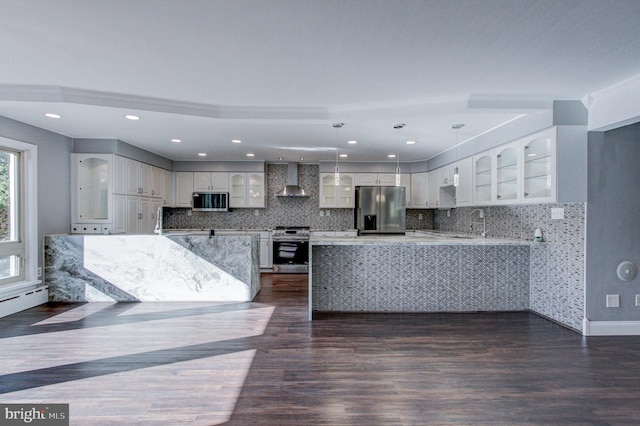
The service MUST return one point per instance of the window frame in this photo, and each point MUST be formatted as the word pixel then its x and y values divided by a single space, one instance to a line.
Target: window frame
pixel 28 216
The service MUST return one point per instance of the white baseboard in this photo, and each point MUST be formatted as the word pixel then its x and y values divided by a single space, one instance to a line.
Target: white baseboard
pixel 10 303
pixel 611 328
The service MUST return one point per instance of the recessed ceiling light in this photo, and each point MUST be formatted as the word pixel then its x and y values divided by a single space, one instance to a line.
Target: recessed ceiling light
pixel 344 155
pixel 352 142
pixel 132 117
pixel 202 154
pixel 236 141
pixel 250 154
pixel 302 158
pixel 280 158
pixel 176 140
pixel 52 115
pixel 531 155
pixel 391 156
pixel 411 142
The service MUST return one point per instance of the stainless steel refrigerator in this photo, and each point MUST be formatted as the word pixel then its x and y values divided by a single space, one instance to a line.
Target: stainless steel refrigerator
pixel 380 209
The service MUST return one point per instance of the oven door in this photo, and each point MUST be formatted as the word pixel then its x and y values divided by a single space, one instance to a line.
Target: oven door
pixel 291 256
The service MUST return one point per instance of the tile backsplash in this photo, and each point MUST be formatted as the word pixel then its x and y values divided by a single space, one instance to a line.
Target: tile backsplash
pixel 557 264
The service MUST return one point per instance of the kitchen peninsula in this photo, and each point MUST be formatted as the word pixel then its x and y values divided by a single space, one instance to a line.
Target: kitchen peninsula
pixel 427 273
pixel 140 268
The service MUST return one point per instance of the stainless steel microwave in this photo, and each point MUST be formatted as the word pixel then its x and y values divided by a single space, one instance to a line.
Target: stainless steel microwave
pixel 210 201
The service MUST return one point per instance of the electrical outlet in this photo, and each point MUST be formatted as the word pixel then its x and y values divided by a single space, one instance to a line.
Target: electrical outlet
pixel 328 213
pixel 557 213
pixel 637 299
pixel 419 216
pixel 40 274
pixel 321 213
pixel 256 212
pixel 613 300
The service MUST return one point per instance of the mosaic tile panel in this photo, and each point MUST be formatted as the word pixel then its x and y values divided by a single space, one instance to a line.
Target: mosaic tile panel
pixel 557 265
pixel 427 278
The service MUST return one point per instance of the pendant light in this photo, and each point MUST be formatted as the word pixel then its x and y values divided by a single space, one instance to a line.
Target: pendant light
pixel 398 177
pixel 456 176
pixel 336 175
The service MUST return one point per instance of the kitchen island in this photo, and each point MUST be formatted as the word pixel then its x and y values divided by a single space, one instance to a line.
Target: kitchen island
pixel 424 273
pixel 140 268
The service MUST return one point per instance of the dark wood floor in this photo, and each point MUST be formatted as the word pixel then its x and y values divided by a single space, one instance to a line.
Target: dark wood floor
pixel 264 363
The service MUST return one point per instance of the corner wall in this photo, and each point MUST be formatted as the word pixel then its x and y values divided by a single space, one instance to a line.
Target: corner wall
pixel 613 232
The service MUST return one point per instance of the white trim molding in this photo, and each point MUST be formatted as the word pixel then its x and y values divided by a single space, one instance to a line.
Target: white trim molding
pixel 611 328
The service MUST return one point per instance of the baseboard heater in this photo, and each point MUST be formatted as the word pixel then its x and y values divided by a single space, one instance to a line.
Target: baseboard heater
pixel 12 303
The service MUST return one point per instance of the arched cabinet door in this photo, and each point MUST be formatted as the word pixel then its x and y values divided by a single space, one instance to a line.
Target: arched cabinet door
pixel 507 176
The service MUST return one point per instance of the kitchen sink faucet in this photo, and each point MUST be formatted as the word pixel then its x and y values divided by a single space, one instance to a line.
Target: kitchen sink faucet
pixel 483 234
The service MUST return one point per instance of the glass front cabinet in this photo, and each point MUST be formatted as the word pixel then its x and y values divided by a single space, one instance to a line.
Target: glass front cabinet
pixel 337 196
pixel 507 174
pixel 539 165
pixel 92 202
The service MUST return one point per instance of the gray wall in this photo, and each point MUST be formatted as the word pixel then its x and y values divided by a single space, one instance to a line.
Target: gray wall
pixel 54 177
pixel 613 226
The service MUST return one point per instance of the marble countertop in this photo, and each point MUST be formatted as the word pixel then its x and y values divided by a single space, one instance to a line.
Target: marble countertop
pixel 206 231
pixel 436 238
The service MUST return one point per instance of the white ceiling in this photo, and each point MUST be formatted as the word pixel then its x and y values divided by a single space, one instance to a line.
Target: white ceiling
pixel 278 73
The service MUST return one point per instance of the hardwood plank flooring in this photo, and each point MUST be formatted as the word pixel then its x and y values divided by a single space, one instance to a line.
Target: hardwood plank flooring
pixel 264 363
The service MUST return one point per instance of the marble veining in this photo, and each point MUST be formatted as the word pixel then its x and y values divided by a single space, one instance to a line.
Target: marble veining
pixel 137 268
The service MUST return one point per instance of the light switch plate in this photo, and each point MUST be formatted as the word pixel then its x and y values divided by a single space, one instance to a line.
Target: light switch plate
pixel 557 213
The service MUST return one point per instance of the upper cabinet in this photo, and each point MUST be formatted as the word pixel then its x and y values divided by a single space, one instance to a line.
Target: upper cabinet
pixel 419 190
pixel 92 176
pixel 247 190
pixel 184 189
pixel 464 191
pixel 374 179
pixel 507 174
pixel 337 196
pixel 539 165
pixel 211 181
pixel 482 179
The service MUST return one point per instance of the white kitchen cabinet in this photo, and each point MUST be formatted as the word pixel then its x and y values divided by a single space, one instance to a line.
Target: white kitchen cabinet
pixel 119 214
pixel 265 250
pixel 439 196
pixel 464 191
pixel 539 167
pixel 507 167
pixel 184 189
pixel 374 179
pixel 247 190
pixel 445 175
pixel 132 176
pixel 211 181
pixel 92 193
pixel 167 198
pixel 119 175
pixel 419 190
pixel 157 182
pixel 337 196
pixel 433 189
pixel 144 179
pixel 483 193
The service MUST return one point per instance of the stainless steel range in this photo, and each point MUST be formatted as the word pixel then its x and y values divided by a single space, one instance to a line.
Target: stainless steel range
pixel 291 249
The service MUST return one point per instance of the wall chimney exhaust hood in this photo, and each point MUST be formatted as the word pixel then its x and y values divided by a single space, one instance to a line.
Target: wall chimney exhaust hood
pixel 292 189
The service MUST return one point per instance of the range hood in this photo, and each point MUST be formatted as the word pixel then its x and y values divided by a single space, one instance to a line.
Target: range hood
pixel 292 189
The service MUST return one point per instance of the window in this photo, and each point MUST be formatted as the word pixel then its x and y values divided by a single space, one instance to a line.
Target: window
pixel 18 214
pixel 11 238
